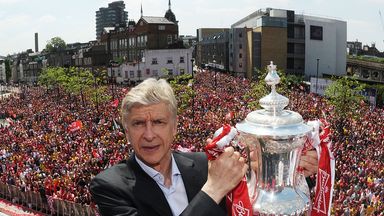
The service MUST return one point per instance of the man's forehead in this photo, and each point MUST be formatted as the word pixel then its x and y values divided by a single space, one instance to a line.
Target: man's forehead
pixel 149 110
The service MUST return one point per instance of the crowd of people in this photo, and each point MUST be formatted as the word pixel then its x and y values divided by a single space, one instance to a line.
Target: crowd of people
pixel 39 153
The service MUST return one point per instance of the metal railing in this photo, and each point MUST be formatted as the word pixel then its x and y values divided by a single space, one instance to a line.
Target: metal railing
pixel 46 205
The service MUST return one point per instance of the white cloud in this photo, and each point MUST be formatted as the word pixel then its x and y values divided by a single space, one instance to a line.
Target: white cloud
pixel 47 19
pixel 12 21
pixel 10 1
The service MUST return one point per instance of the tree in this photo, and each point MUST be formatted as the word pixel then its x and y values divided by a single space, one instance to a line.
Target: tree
pixel 78 81
pixel 55 44
pixel 344 95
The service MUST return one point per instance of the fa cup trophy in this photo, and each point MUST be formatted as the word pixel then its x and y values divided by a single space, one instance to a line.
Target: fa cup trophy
pixel 277 136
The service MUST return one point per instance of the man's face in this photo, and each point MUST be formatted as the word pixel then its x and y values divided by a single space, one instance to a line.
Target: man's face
pixel 150 129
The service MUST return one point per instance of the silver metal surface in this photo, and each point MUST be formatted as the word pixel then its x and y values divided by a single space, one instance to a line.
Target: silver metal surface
pixel 276 136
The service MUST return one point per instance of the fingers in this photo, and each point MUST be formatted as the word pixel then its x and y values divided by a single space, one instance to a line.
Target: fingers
pixel 208 141
pixel 309 163
pixel 224 173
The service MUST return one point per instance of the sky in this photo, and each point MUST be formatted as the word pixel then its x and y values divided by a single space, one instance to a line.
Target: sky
pixel 74 20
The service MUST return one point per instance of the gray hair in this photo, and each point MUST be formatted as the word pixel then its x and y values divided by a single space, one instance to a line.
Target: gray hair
pixel 149 92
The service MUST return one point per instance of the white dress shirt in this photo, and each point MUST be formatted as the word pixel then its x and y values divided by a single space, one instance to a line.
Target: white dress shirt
pixel 175 194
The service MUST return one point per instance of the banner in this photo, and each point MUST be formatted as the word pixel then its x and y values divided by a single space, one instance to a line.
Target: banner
pixel 74 126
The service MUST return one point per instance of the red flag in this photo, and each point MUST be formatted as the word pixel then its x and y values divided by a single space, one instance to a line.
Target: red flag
pixel 115 103
pixel 74 126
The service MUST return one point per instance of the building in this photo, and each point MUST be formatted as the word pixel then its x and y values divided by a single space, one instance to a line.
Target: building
pixel 188 40
pixel 3 77
pixel 354 47
pixel 150 32
pixel 112 16
pixel 213 51
pixel 298 44
pixel 154 63
pixel 205 45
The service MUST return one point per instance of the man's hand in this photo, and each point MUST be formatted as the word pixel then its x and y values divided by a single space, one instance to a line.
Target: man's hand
pixel 224 173
pixel 309 162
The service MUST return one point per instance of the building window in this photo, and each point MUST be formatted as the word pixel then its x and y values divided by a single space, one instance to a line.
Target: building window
pixel 169 39
pixel 316 32
pixel 240 35
pixel 240 65
pixel 161 27
pixel 131 74
pixel 155 73
pixel 170 72
pixel 240 46
pixel 154 60
pixel 169 60
pixel 240 55
pixel 126 75
pixel 181 59
pixel 181 71
pixel 148 71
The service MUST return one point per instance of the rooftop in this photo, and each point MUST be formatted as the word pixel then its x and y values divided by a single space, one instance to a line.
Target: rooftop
pixel 156 20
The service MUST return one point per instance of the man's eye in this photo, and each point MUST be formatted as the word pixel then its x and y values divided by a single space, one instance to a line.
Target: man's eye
pixel 158 122
pixel 138 123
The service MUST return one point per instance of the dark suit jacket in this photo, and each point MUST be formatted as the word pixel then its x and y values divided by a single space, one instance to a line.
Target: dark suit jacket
pixel 125 189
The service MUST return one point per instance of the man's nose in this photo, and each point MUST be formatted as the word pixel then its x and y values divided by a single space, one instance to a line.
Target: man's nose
pixel 149 133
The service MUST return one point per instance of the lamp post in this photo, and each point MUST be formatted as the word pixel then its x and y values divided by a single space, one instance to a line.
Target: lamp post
pixel 317 74
pixel 112 64
pixel 193 93
pixel 214 66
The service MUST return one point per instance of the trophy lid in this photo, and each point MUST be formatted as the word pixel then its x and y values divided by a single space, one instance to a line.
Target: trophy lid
pixel 273 120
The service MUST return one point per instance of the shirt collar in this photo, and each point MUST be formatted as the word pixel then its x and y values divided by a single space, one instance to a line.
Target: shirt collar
pixel 153 173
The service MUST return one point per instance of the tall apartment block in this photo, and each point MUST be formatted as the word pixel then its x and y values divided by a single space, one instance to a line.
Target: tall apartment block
pixel 112 16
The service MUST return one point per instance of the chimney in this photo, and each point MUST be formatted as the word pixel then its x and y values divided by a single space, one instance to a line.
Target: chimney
pixel 36 42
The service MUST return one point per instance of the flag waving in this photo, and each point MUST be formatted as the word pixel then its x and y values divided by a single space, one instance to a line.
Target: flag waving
pixel 115 103
pixel 74 126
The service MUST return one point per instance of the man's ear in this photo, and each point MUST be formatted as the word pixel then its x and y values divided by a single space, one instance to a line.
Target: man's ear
pixel 175 127
pixel 126 134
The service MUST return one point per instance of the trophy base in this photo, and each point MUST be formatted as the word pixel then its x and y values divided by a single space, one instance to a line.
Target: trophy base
pixel 284 202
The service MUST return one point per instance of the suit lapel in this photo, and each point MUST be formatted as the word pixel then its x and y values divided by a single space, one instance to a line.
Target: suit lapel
pixel 147 191
pixel 191 175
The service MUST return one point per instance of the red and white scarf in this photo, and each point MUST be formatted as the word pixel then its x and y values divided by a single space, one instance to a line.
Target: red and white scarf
pixel 237 200
pixel 326 168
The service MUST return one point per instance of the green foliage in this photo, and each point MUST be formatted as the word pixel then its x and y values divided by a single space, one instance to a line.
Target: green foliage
pixel 344 95
pixel 77 80
pixel 367 58
pixel 183 90
pixel 52 77
pixel 165 72
pixel 55 44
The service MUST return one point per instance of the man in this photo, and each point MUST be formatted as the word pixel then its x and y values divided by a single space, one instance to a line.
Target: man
pixel 155 180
